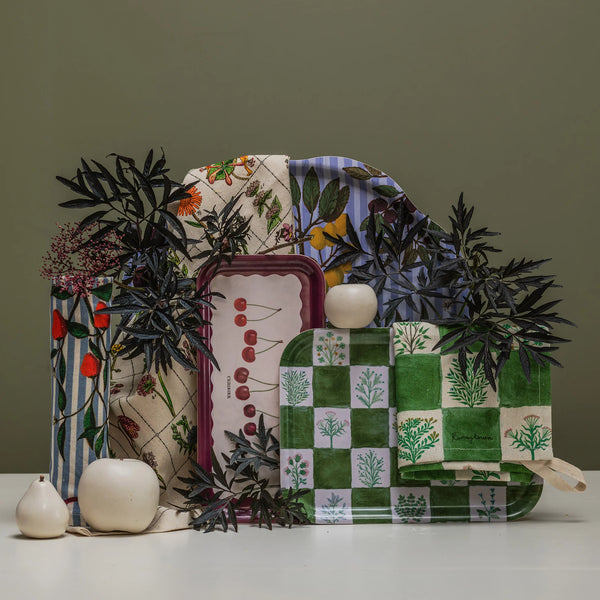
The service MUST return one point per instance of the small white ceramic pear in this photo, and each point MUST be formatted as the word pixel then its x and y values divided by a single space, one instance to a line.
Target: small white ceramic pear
pixel 117 494
pixel 351 305
pixel 41 512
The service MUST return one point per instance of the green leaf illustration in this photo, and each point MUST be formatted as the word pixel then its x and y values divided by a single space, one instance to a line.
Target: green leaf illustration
pixel 54 352
pixel 357 173
pixel 103 292
pixel 89 418
pixel 61 398
pixel 89 435
pixel 62 369
pixel 60 439
pixel 311 190
pixel 328 202
pixel 387 191
pixel 374 172
pixel 294 190
pixel 98 445
pixel 77 329
pixel 95 350
pixel 60 293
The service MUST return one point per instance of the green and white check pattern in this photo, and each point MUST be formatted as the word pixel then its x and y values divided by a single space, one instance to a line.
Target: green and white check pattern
pixel 456 427
pixel 339 439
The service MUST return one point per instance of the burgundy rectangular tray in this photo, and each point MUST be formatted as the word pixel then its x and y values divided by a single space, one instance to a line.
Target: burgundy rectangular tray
pixel 268 301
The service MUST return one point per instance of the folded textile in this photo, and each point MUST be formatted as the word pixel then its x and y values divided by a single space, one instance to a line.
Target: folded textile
pixel 452 426
pixel 263 184
pixel 79 384
pixel 153 415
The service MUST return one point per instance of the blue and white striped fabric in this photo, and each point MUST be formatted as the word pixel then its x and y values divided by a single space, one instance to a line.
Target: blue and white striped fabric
pixel 79 403
pixel 362 192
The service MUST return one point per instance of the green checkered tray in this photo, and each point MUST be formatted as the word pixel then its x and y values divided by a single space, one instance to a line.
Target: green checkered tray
pixel 339 439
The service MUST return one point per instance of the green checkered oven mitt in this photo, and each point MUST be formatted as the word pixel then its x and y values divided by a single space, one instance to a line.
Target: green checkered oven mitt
pixel 452 427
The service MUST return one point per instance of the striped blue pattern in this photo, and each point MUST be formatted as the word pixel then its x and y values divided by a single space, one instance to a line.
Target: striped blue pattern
pixel 65 474
pixel 361 193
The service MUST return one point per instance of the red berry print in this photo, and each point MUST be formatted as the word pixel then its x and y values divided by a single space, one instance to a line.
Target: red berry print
pixel 249 410
pixel 59 325
pixel 90 365
pixel 250 337
pixel 240 304
pixel 242 392
pixel 241 375
pixel 250 429
pixel 248 354
pixel 101 321
pixel 240 320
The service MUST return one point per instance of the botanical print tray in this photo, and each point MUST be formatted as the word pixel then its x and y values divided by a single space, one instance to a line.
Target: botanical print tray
pixel 332 193
pixel 268 301
pixel 339 440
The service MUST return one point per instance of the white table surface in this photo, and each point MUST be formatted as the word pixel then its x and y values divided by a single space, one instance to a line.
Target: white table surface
pixel 552 553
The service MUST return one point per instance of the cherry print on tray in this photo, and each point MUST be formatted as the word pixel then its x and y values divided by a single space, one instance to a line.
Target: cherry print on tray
pixel 250 429
pixel 241 375
pixel 241 304
pixel 242 392
pixel 251 338
pixel 248 354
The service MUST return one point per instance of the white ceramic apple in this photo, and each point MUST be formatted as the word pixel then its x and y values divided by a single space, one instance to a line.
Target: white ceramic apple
pixel 351 305
pixel 41 512
pixel 118 494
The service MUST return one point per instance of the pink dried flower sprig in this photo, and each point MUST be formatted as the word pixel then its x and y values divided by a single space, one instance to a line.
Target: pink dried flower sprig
pixel 74 261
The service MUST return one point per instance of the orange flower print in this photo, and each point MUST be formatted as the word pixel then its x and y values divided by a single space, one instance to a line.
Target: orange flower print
pixel 188 206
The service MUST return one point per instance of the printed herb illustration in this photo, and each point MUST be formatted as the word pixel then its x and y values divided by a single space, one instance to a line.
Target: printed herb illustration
pixel 531 436
pixel 265 204
pixel 468 388
pixel 330 349
pixel 489 511
pixel 94 366
pixel 186 438
pixel 485 475
pixel 421 265
pixel 410 508
pixel 370 468
pixel 415 436
pixel 370 389
pixel 410 337
pixel 296 386
pixel 147 386
pixel 335 509
pixel 150 460
pixel 213 495
pixel 297 469
pixel 330 426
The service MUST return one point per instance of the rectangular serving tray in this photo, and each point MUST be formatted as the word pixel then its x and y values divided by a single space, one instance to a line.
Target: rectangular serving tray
pixel 268 301
pixel 339 440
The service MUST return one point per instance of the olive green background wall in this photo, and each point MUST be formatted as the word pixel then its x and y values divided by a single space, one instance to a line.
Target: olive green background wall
pixel 499 99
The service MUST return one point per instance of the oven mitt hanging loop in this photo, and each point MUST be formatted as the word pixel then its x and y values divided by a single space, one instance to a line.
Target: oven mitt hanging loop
pixel 551 471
